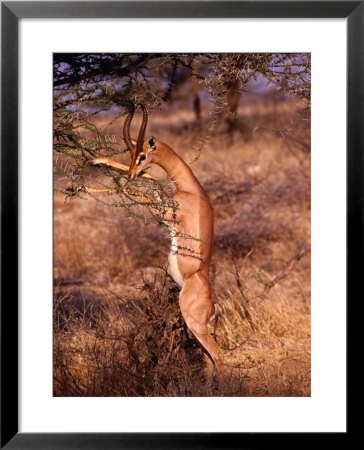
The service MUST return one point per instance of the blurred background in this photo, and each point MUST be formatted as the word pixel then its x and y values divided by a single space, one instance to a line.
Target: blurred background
pixel 242 122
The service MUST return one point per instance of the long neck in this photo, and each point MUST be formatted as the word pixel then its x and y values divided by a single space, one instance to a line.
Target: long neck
pixel 179 172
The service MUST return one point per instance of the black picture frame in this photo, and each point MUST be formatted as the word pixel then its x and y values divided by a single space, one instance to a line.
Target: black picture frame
pixel 11 12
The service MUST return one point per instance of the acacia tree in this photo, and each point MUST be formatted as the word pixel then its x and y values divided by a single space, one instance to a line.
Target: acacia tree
pixel 87 84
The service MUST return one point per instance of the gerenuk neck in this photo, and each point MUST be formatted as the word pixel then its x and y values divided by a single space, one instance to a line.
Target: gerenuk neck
pixel 177 170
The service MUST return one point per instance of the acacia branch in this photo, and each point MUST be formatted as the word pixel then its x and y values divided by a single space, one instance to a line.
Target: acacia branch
pixel 290 264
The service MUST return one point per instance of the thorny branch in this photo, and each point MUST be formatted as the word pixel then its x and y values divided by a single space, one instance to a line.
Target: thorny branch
pixel 289 266
pixel 86 85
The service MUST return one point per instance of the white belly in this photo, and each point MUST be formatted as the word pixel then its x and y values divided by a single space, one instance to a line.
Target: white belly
pixel 173 263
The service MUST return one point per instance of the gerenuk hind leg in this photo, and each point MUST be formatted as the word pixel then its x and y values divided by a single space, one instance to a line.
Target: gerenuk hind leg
pixel 197 308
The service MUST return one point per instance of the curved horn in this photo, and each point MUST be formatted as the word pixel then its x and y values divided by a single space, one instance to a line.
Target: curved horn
pixel 126 129
pixel 139 146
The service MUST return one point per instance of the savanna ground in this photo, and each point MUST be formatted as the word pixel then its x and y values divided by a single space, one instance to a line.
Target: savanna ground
pixel 117 326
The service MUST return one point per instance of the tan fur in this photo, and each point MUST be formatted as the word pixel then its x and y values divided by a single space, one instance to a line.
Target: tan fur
pixel 195 217
pixel 110 163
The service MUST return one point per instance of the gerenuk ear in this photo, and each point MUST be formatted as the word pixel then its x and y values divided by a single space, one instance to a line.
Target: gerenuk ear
pixel 152 144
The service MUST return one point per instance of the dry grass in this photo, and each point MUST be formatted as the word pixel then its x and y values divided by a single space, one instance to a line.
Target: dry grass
pixel 108 284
